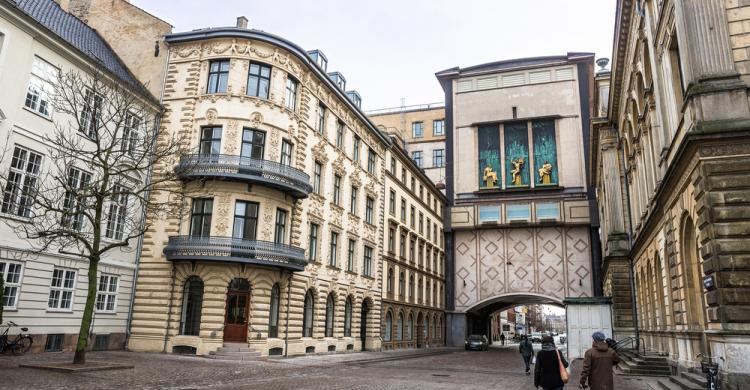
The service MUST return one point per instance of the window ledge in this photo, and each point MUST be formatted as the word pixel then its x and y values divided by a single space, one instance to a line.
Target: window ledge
pixel 351 272
pixel 15 218
pixel 368 277
pixel 37 113
pixel 69 311
pixel 111 313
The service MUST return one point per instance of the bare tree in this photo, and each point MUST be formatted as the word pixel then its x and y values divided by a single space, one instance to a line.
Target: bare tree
pixel 95 187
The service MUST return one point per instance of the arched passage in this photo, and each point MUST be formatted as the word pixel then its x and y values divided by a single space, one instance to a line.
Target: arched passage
pixel 478 316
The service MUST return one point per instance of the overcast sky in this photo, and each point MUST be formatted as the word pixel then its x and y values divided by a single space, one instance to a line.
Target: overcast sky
pixel 391 49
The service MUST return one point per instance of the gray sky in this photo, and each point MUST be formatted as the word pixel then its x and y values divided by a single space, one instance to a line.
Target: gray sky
pixel 391 49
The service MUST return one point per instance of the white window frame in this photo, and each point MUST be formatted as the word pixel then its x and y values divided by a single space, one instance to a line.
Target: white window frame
pixel 118 209
pixel 130 132
pixel 25 184
pixel 62 289
pixel 107 295
pixel 91 114
pixel 290 93
pixel 4 267
pixel 43 77
pixel 71 202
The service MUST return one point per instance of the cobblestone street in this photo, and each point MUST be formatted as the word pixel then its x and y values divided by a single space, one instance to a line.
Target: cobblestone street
pixel 499 368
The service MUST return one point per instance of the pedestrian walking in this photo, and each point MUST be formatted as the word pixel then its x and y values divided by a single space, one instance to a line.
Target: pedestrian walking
pixel 502 338
pixel 527 351
pixel 550 364
pixel 598 363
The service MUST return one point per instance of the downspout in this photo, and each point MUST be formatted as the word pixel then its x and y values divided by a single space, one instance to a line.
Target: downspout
pixel 139 245
pixel 631 272
pixel 286 325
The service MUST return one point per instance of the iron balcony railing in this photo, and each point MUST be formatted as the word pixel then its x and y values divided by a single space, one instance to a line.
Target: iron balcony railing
pixel 235 250
pixel 269 173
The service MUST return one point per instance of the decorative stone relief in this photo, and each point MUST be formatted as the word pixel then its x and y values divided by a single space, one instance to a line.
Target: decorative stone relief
pixel 256 119
pixel 268 223
pixel 211 115
pixel 338 166
pixel 231 137
pixel 275 149
pixel 355 180
pixel 319 152
pixel 222 226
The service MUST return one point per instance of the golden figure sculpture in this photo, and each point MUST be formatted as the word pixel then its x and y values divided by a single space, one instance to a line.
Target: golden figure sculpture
pixel 516 172
pixel 490 177
pixel 545 173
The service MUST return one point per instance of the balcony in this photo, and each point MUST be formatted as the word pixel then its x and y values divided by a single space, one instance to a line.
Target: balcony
pixel 235 250
pixel 245 169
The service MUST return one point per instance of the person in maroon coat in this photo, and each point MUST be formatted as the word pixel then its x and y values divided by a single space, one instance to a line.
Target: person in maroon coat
pixel 547 369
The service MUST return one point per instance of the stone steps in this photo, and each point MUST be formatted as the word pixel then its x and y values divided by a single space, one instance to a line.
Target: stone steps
pixel 239 352
pixel 643 364
pixel 684 381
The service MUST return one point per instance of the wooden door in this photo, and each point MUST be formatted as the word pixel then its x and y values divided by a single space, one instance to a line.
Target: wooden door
pixel 235 319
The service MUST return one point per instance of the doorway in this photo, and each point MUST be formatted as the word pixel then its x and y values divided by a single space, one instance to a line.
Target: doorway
pixel 237 308
pixel 363 324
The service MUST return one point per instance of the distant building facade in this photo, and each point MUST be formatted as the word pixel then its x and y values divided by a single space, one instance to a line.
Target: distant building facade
pixel 46 292
pixel 670 164
pixel 422 129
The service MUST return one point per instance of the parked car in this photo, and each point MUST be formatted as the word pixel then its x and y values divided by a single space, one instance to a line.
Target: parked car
pixel 536 337
pixel 475 341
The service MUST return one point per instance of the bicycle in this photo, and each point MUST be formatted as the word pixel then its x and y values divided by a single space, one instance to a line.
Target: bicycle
pixel 711 370
pixel 18 346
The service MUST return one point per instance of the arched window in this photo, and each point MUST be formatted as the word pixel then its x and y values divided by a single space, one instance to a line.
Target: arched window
pixel 400 327
pixel 273 315
pixel 389 285
pixel 419 291
pixel 427 295
pixel 434 293
pixel 411 288
pixel 426 328
pixel 434 328
pixel 192 303
pixel 401 285
pixel 348 317
pixel 307 318
pixel 388 326
pixel 409 326
pixel 330 310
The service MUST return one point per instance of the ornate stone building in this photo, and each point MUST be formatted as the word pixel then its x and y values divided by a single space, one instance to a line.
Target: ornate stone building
pixel 670 163
pixel 279 247
pixel 413 257
pixel 422 129
pixel 519 230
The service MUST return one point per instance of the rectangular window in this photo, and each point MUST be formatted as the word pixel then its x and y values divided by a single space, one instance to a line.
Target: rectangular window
pixel 489 213
pixel 438 157
pixel 316 177
pixel 412 248
pixel 74 200
pixel 516 154
pixel 218 76
pixel 417 129
pixel 438 127
pixel 280 236
pixel 369 205
pixel 392 202
pixel 253 143
pixel 434 233
pixel 412 217
pixel 548 211
pixel 350 255
pixel 312 249
pixel 339 134
pixel 245 220
pixel 421 222
pixel 118 205
pixel 130 132
pixel 11 274
pixel 545 152
pixel 367 266
pixel 393 166
pixel 333 255
pixel 41 86
pixel 353 204
pixel 18 196
pixel 321 118
pixel 427 224
pixel 106 295
pixel 258 80
pixel 391 240
pixel 413 185
pixel 488 138
pixel 355 151
pixel 200 218
pixel 290 97
pixel 286 153
pixel 517 212
pixel 403 210
pixel 210 140
pixel 371 161
pixel 402 246
pixel 61 289
pixel 403 175
pixel 91 114
pixel 417 157
pixel 337 190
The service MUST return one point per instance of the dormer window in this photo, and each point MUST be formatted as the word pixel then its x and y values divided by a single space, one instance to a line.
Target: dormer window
pixel 319 59
pixel 338 79
pixel 355 98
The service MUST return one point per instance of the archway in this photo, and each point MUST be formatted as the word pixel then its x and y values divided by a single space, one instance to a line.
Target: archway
pixel 696 315
pixel 478 316
pixel 237 310
pixel 420 330
pixel 366 303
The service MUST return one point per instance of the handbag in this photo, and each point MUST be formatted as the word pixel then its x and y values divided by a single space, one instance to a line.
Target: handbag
pixel 563 372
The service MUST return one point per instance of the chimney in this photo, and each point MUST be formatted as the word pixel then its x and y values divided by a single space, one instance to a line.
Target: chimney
pixel 241 22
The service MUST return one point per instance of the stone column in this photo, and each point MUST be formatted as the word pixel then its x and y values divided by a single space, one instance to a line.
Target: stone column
pixel 703 36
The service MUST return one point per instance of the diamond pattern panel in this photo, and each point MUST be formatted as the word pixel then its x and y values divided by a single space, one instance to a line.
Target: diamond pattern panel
pixel 521 267
pixel 550 254
pixel 578 261
pixel 492 263
pixel 466 270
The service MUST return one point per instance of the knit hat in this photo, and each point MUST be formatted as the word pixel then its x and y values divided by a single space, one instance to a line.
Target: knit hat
pixel 598 336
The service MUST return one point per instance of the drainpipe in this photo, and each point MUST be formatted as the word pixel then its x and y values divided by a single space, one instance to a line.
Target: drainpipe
pixel 286 325
pixel 631 273
pixel 139 245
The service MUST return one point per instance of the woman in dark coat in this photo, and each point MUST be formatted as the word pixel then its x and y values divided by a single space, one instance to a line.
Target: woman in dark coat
pixel 547 370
